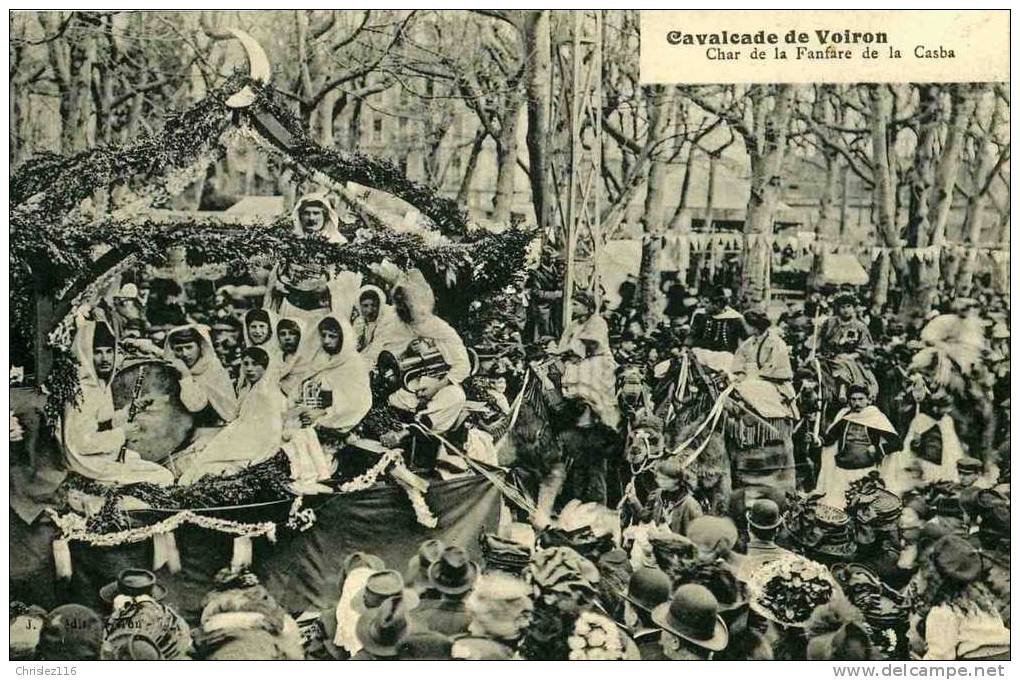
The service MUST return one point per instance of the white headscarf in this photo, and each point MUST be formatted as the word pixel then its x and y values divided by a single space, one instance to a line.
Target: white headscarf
pixel 208 372
pixel 347 375
pixel 331 229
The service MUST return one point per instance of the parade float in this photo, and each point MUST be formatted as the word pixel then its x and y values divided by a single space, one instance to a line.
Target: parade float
pixel 70 534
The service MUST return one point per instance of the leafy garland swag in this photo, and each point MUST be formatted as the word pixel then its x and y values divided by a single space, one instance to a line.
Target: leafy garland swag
pixel 55 233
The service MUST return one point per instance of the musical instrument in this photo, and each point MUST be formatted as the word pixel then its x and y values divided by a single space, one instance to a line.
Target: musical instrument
pixel 403 371
pixel 164 424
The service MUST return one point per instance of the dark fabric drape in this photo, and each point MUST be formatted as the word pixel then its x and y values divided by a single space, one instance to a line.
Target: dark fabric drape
pixel 301 569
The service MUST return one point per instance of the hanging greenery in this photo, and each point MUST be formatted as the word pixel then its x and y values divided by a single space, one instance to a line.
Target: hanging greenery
pixel 56 235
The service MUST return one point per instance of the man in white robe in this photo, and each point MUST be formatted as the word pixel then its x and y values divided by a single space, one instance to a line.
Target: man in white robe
pixel 92 432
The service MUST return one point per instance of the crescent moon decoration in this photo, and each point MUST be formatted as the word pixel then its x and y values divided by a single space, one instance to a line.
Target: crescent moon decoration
pixel 258 67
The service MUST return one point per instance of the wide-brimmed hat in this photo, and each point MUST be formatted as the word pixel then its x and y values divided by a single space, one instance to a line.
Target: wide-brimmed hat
pixel 693 614
pixel 454 573
pixel 428 554
pixel 71 632
pixel 764 514
pixel 381 586
pixel 381 630
pixel 133 582
pixel 957 559
pixel 425 646
pixel 648 588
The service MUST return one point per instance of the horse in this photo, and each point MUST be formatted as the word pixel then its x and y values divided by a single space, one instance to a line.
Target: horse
pixel 730 444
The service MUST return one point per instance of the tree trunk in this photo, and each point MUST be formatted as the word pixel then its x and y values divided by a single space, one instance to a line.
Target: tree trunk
pixel 538 48
pixel 325 118
pixel 767 153
pixel 976 205
pixel 506 152
pixel 920 230
pixel 72 63
pixel 709 253
pixel 464 193
pixel 885 191
pixel 654 218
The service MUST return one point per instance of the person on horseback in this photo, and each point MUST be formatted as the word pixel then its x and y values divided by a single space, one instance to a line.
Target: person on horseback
pixel 844 333
pixel 719 327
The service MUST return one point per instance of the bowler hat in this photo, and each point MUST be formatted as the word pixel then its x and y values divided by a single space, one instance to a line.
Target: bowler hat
pixel 648 588
pixel 693 614
pixel 133 582
pixel 454 573
pixel 764 514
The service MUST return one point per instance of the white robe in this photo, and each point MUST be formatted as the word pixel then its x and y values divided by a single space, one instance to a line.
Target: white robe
pixel 253 436
pixel 833 480
pixel 894 467
pixel 345 374
pixel 88 451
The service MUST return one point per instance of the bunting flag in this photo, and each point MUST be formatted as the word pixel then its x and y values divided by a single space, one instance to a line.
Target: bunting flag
pixel 678 246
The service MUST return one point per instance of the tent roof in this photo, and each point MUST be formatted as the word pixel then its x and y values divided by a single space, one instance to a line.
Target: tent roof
pixel 837 269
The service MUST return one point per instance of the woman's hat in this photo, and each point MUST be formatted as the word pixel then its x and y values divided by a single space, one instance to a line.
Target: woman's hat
pixel 358 560
pixel 133 582
pixel 384 628
pixel 693 614
pixel 454 573
pixel 648 588
pixel 764 514
pixel 955 558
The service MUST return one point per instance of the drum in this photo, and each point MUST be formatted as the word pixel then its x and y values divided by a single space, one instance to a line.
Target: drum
pixel 165 424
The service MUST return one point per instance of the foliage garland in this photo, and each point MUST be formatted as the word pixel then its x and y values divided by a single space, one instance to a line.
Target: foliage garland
pixel 53 240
